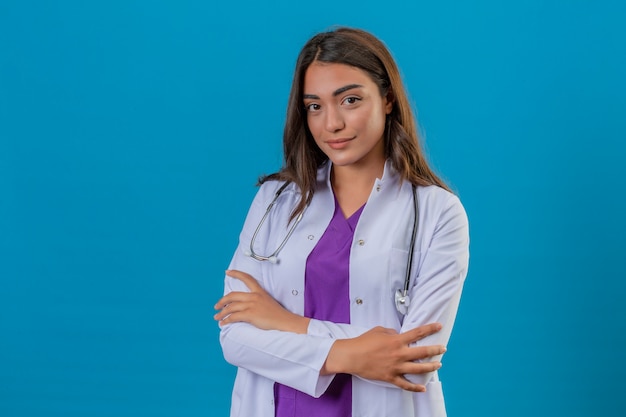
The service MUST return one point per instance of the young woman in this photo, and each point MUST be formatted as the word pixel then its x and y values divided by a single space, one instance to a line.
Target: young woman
pixel 345 286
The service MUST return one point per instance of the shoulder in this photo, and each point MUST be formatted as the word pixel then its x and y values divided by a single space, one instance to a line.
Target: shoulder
pixel 268 190
pixel 440 205
pixel 281 193
pixel 437 195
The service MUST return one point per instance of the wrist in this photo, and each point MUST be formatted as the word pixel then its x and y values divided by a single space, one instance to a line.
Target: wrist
pixel 297 324
pixel 337 359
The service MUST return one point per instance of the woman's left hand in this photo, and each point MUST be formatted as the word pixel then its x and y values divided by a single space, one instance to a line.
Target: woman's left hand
pixel 257 307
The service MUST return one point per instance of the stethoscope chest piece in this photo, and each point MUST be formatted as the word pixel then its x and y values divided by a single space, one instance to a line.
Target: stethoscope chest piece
pixel 403 301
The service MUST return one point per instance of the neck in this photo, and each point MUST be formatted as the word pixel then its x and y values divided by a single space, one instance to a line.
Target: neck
pixel 352 184
pixel 352 177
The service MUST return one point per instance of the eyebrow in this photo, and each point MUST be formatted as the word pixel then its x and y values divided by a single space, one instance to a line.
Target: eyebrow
pixel 336 92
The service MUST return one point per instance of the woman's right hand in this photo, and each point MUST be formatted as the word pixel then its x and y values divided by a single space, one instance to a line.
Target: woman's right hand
pixel 385 355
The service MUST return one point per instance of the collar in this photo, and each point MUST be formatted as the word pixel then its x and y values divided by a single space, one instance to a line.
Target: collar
pixel 390 178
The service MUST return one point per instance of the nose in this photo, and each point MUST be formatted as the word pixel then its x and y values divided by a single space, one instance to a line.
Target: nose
pixel 334 120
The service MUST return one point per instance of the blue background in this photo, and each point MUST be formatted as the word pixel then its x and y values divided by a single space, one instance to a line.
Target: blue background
pixel 131 136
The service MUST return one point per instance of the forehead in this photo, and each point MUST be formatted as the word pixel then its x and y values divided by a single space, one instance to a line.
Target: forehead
pixel 325 78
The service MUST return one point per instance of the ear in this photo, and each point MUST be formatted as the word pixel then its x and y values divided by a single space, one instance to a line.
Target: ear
pixel 390 99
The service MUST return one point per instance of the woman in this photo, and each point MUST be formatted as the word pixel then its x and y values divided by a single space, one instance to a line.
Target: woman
pixel 315 313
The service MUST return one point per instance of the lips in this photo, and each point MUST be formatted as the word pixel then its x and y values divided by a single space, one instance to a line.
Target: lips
pixel 338 143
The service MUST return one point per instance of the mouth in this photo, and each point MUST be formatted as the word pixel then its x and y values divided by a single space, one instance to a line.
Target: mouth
pixel 338 143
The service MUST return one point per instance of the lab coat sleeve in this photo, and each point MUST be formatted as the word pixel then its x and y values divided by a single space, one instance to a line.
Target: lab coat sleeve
pixel 291 359
pixel 436 291
pixel 324 328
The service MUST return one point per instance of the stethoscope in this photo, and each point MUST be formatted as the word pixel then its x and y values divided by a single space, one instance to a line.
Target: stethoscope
pixel 402 298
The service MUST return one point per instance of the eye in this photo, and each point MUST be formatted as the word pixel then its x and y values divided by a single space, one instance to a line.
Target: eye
pixel 351 100
pixel 312 107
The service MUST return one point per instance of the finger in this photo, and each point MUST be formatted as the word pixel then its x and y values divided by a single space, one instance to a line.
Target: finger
pixel 385 330
pixel 222 302
pixel 421 352
pixel 421 332
pixel 220 316
pixel 238 317
pixel 419 368
pixel 407 385
pixel 231 298
pixel 235 308
pixel 247 279
pixel 229 309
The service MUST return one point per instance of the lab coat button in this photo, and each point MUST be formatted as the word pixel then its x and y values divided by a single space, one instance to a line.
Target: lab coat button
pixel 311 237
pixel 359 301
pixel 378 187
pixel 361 242
pixel 294 292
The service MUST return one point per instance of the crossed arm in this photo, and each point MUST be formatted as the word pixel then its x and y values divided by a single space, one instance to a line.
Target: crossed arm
pixel 379 354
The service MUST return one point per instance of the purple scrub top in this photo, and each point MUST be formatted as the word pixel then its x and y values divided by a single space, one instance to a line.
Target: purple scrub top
pixel 326 297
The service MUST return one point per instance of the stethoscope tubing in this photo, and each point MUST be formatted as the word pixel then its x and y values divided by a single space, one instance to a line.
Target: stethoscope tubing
pixel 273 257
pixel 409 266
pixel 402 300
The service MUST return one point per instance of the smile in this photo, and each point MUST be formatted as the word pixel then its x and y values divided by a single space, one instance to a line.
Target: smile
pixel 338 143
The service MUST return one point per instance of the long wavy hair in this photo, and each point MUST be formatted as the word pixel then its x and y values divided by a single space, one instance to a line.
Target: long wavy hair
pixel 360 49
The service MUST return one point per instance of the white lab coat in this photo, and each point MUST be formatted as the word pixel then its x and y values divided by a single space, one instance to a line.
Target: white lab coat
pixel 378 260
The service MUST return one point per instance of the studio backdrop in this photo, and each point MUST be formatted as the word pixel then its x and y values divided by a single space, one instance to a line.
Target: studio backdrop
pixel 132 134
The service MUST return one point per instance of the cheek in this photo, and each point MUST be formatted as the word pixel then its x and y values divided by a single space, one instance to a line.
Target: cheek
pixel 313 124
pixel 374 123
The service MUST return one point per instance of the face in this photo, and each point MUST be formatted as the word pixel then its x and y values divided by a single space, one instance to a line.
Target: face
pixel 346 114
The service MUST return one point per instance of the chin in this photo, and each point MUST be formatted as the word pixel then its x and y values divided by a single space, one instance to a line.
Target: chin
pixel 342 162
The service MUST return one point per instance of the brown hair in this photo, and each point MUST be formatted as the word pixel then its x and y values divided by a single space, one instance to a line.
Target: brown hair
pixel 360 49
